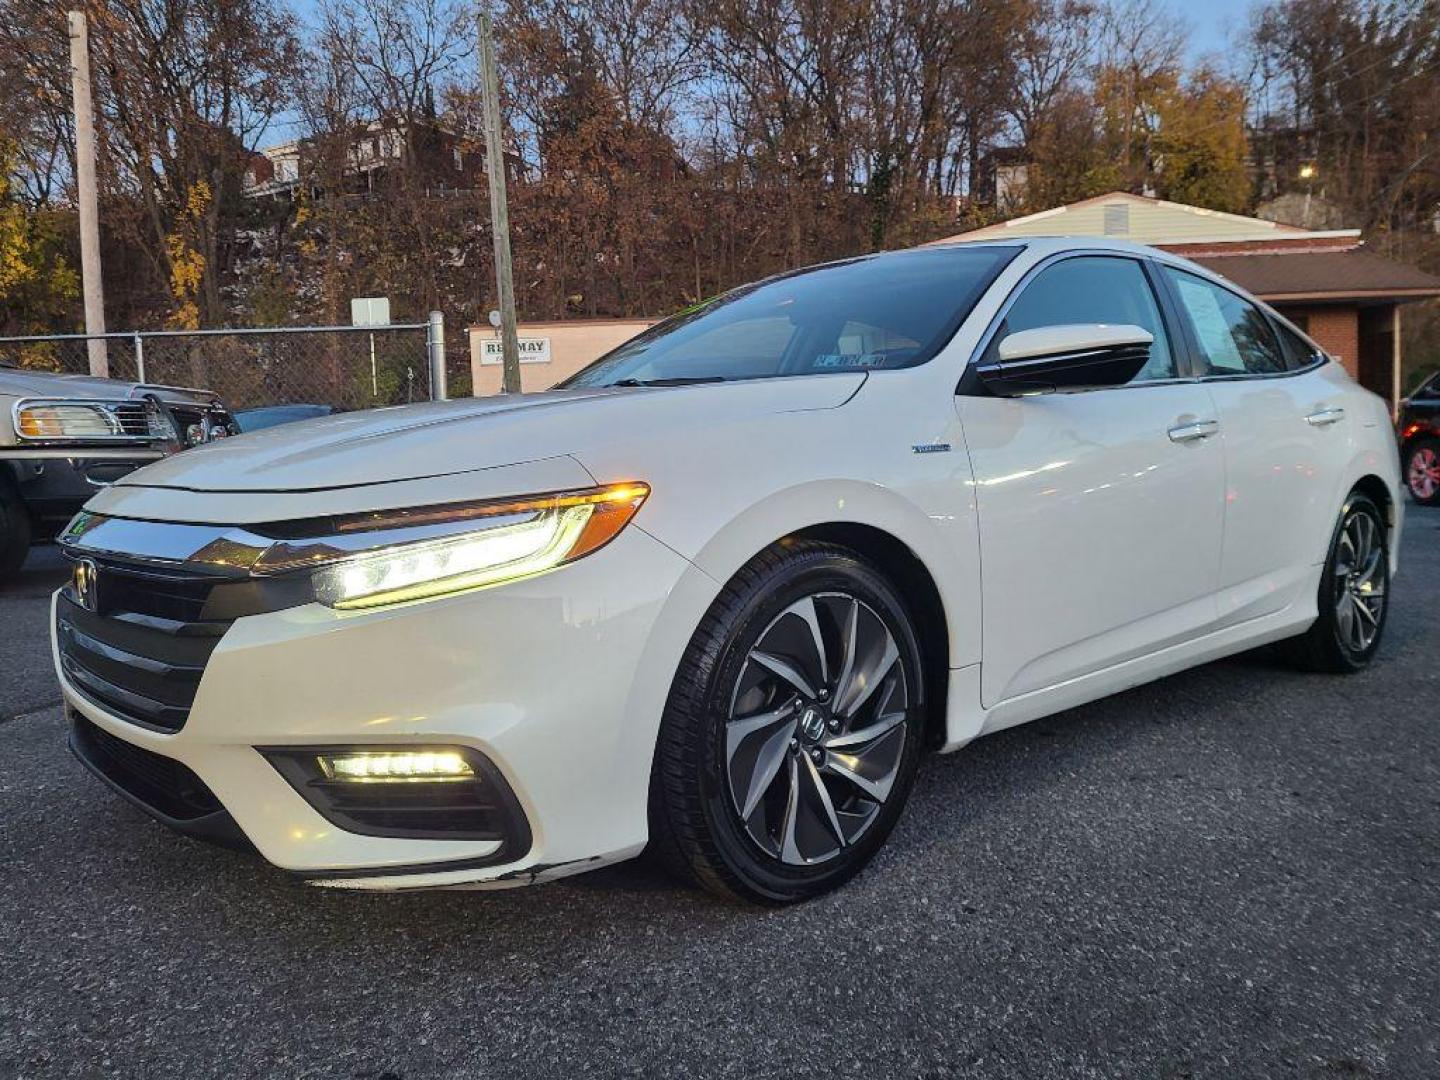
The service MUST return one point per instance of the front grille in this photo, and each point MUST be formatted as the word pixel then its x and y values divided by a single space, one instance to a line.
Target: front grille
pixel 141 652
pixel 139 645
pixel 196 422
pixel 133 418
pixel 159 783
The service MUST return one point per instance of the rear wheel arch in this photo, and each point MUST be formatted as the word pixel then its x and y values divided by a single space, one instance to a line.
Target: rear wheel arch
pixel 1380 494
pixel 1332 644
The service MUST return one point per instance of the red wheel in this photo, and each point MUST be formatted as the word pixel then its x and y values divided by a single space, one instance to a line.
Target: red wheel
pixel 1422 471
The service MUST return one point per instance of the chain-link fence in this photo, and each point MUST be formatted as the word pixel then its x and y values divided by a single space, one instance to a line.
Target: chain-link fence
pixel 345 367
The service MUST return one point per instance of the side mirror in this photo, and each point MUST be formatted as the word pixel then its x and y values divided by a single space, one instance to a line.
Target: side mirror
pixel 1066 359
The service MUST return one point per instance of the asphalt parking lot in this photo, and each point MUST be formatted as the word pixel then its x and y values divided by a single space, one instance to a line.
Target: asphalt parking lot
pixel 1231 873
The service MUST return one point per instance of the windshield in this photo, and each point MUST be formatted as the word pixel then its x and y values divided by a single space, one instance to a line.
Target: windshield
pixel 877 312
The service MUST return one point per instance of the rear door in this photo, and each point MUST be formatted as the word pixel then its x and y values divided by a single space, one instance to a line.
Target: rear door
pixel 1285 437
pixel 1099 512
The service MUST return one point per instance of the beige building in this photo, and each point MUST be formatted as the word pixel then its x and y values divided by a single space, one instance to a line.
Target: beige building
pixel 549 351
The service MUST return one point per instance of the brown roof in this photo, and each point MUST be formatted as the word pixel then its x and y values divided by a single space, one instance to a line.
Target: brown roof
pixel 1277 245
pixel 1356 274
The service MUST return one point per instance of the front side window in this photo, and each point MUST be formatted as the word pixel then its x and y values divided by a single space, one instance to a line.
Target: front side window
pixel 874 313
pixel 1093 289
pixel 1234 335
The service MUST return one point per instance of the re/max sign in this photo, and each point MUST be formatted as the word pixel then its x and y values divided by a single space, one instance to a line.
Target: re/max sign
pixel 535 350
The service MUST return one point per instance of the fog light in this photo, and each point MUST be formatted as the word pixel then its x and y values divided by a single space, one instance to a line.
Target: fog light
pixel 397 766
pixel 414 792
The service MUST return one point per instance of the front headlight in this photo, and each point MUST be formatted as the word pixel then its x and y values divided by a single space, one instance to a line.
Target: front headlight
pixel 83 421
pixel 65 422
pixel 414 555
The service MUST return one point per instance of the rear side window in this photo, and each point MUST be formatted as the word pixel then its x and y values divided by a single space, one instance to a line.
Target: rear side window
pixel 1235 336
pixel 1093 289
pixel 1298 352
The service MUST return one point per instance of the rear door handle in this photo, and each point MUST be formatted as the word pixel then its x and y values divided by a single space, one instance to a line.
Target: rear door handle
pixel 1325 416
pixel 1200 429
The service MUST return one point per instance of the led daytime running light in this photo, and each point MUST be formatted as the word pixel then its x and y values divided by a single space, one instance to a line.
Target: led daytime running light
pixel 560 528
pixel 397 767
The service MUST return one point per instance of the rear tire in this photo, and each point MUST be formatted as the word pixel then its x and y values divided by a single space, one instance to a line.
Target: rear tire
pixel 777 779
pixel 1353 598
pixel 14 531
pixel 1422 471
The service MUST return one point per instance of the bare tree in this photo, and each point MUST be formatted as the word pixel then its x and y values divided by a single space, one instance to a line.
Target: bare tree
pixel 1141 45
pixel 1052 51
pixel 383 61
pixel 188 89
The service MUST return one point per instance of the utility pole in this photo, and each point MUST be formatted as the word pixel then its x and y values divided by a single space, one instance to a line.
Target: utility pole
pixel 499 209
pixel 90 280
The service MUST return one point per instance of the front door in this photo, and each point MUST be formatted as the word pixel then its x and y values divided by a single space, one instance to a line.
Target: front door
pixel 1099 512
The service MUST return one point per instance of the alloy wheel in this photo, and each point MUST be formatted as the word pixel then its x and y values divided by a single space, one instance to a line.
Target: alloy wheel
pixel 1359 582
pixel 1423 475
pixel 817 728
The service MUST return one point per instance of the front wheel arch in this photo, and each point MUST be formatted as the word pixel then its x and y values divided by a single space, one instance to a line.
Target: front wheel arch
pixel 913 580
pixel 690 833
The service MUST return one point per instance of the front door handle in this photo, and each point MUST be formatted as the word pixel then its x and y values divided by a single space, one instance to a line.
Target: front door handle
pixel 1325 416
pixel 1200 429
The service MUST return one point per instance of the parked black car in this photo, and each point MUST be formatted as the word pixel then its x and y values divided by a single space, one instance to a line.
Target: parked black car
pixel 62 437
pixel 1420 442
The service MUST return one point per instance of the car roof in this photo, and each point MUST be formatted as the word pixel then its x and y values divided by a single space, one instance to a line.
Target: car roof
pixel 1047 245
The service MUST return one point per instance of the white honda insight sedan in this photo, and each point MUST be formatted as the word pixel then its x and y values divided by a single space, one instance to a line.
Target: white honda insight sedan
pixel 718 592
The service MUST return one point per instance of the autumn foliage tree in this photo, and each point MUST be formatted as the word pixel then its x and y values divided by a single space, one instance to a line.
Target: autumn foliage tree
pixel 661 151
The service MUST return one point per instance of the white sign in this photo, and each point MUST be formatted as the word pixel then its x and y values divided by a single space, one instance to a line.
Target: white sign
pixel 533 350
pixel 370 311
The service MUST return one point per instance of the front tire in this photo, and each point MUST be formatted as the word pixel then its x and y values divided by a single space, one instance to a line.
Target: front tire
pixel 1354 592
pixel 1422 471
pixel 791 736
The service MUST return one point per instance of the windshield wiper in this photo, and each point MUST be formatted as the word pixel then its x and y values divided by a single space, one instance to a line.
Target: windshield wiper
pixel 677 380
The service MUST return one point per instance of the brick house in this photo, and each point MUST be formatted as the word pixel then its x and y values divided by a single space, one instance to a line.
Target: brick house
pixel 1327 282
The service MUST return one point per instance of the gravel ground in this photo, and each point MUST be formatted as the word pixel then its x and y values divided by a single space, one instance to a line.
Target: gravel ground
pixel 1231 873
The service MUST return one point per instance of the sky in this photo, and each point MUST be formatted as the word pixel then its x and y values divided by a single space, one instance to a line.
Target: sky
pixel 1211 24
pixel 1210 21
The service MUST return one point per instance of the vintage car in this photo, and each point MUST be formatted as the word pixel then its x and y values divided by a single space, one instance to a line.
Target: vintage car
pixel 62 437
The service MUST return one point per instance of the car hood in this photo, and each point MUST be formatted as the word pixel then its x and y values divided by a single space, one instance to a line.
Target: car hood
pixel 417 442
pixel 18 383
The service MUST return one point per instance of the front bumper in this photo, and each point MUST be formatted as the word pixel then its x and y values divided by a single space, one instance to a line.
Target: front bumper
pixel 558 680
pixel 54 488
